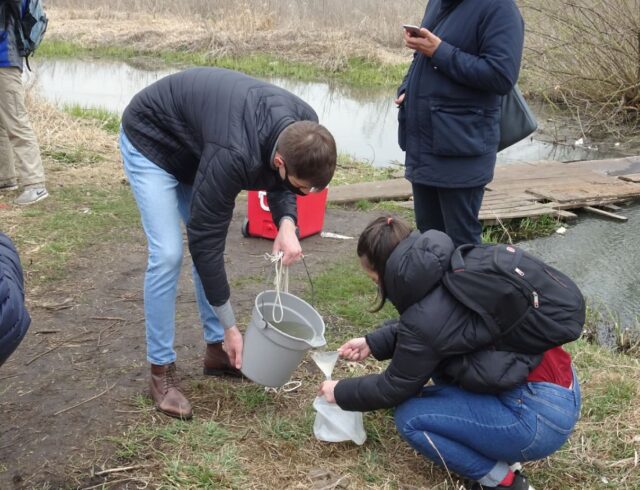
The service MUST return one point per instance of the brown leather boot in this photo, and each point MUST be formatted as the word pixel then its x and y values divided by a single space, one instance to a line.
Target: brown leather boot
pixel 166 393
pixel 216 362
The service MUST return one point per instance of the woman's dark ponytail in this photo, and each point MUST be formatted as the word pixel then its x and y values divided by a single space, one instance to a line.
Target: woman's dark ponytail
pixel 377 242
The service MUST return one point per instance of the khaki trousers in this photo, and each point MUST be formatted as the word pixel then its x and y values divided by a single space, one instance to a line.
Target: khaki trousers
pixel 19 151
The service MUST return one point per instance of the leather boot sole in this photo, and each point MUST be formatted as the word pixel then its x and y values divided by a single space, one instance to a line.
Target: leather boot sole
pixel 230 373
pixel 174 415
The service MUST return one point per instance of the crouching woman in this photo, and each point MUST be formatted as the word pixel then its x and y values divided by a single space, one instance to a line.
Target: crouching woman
pixel 488 408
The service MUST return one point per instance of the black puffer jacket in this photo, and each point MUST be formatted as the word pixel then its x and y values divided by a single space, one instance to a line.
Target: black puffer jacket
pixel 215 129
pixel 436 335
pixel 14 318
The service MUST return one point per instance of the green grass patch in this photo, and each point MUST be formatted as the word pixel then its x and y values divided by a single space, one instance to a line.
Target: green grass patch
pixel 345 292
pixel 77 156
pixel 107 120
pixel 214 468
pixel 74 218
pixel 352 171
pixel 252 397
pixel 521 229
pixel 357 72
pixel 287 427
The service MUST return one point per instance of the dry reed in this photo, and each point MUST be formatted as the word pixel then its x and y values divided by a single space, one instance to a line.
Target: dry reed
pixel 586 55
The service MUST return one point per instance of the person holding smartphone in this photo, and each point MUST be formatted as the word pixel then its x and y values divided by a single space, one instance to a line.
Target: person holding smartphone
pixel 466 57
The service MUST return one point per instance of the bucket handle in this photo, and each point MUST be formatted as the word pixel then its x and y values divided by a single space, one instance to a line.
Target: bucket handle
pixel 268 278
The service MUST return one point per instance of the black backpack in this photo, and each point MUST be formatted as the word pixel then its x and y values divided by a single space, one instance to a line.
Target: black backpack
pixel 523 301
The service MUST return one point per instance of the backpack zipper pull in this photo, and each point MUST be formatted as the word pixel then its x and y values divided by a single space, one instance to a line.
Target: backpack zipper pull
pixel 536 301
pixel 519 272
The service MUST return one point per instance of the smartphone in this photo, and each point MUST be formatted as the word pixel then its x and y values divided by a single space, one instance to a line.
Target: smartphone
pixel 414 31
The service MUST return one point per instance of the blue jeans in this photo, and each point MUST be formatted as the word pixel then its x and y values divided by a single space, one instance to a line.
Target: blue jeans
pixel 477 436
pixel 453 211
pixel 164 204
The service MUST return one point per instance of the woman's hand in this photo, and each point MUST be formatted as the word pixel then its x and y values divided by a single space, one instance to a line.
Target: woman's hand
pixel 355 350
pixel 400 99
pixel 326 390
pixel 426 43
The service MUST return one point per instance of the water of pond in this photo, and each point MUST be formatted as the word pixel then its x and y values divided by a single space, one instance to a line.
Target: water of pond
pixel 601 255
pixel 603 258
pixel 362 121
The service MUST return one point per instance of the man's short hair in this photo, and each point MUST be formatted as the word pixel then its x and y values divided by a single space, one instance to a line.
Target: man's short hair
pixel 309 152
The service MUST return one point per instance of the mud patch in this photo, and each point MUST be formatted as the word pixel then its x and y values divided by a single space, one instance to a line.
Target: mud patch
pixel 73 382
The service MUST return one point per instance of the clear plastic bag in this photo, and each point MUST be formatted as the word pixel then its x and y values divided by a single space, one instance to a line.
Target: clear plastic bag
pixel 333 424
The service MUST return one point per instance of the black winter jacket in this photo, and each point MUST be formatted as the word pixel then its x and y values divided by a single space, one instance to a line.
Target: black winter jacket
pixel 215 129
pixel 14 318
pixel 436 335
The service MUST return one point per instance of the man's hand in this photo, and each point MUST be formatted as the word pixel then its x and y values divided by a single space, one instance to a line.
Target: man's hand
pixel 400 99
pixel 355 350
pixel 233 346
pixel 287 242
pixel 426 44
pixel 326 390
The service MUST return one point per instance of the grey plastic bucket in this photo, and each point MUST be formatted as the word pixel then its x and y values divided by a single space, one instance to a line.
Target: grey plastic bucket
pixel 270 356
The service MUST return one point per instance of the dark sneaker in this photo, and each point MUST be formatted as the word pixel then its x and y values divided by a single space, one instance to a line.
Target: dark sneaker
pixel 9 186
pixel 520 482
pixel 31 196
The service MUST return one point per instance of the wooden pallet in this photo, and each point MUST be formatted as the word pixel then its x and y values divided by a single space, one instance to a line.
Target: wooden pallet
pixel 528 189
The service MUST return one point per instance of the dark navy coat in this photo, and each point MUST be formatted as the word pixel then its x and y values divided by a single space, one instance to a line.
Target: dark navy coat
pixel 14 318
pixel 449 123
pixel 215 129
pixel 435 336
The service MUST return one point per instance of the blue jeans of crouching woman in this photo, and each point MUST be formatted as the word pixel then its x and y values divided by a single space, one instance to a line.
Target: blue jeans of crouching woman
pixel 164 205
pixel 477 436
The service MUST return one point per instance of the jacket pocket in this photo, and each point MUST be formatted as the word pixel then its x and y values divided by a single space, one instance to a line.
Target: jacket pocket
pixel 458 131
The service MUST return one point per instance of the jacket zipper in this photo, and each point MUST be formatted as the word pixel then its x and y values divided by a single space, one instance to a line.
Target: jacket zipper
pixel 534 294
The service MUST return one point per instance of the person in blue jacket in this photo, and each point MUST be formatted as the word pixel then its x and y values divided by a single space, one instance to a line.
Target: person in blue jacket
pixel 467 56
pixel 14 317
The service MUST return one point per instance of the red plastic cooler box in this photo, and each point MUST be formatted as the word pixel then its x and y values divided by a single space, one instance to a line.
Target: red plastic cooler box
pixel 259 223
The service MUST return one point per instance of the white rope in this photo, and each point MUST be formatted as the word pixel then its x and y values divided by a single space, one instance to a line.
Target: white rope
pixel 280 281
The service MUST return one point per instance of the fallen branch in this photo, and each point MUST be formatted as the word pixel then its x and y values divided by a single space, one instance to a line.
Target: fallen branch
pixel 120 470
pixel 84 401
pixel 42 354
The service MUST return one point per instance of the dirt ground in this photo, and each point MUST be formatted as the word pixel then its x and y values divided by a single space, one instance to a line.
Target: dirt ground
pixel 73 381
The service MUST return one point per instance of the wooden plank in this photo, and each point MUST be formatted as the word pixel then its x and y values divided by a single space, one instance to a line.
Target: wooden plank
pixel 514 207
pixel 602 212
pixel 384 190
pixel 566 215
pixel 630 178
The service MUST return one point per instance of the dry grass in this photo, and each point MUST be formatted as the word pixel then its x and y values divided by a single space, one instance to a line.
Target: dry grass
pixel 73 151
pixel 239 28
pixel 585 54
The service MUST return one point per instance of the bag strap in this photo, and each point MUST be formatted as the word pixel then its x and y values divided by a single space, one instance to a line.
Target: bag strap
pixel 457 261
